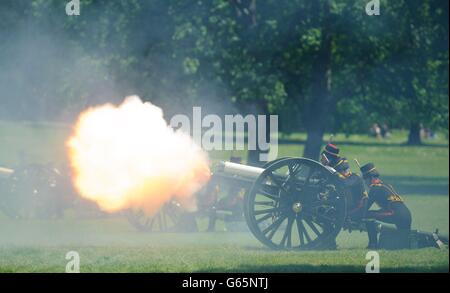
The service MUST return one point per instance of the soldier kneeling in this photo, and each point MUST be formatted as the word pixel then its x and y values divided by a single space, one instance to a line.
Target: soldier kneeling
pixel 393 209
pixel 353 184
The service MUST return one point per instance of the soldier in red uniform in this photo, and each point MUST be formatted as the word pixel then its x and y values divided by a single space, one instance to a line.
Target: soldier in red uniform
pixel 354 185
pixel 330 155
pixel 392 207
pixel 356 192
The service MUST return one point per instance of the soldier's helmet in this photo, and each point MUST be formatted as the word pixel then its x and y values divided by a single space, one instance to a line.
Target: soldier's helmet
pixel 330 155
pixel 341 165
pixel 369 171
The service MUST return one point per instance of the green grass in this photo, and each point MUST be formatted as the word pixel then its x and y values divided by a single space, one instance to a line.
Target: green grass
pixel 216 258
pixel 111 244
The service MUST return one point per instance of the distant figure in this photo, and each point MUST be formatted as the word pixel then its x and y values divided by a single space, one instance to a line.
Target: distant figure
pixel 429 133
pixel 375 130
pixel 423 133
pixel 385 133
pixel 426 132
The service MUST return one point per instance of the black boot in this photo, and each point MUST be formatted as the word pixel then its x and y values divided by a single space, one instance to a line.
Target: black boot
pixel 373 235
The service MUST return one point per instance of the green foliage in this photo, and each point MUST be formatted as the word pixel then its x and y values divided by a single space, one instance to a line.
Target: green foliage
pixel 255 55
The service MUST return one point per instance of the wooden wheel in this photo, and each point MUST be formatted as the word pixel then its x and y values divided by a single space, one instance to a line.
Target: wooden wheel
pixel 33 191
pixel 268 164
pixel 295 204
pixel 170 218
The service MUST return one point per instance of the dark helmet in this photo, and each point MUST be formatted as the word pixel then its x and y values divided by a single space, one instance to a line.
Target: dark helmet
pixel 330 154
pixel 341 165
pixel 369 171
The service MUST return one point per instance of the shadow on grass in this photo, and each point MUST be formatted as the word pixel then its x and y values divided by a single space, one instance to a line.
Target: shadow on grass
pixel 306 268
pixel 418 185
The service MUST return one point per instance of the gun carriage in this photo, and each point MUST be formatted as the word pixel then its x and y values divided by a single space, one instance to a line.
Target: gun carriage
pixel 37 191
pixel 290 203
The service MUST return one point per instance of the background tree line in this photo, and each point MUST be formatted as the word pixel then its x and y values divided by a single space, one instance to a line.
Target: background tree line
pixel 321 65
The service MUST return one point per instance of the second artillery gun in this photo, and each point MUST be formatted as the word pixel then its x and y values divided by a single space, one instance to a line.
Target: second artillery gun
pixel 32 191
pixel 39 191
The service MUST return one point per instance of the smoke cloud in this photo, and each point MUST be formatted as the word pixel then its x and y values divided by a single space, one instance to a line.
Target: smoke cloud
pixel 127 156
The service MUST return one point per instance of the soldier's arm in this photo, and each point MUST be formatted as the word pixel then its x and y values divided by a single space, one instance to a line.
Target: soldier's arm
pixel 361 207
pixel 371 199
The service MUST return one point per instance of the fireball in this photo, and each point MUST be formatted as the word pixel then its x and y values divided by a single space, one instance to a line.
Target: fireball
pixel 127 156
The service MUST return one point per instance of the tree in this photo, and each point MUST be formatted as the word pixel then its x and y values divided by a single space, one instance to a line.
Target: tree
pixel 409 83
pixel 224 43
pixel 322 102
pixel 321 65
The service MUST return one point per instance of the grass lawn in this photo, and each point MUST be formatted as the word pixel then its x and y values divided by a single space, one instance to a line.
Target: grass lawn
pixel 111 244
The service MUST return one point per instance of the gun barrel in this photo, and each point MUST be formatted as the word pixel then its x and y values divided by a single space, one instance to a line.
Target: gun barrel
pixel 5 172
pixel 241 170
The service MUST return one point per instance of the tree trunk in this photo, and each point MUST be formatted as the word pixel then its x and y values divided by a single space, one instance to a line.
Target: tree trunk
pixel 313 144
pixel 414 134
pixel 322 103
pixel 246 16
pixel 259 108
pixel 414 107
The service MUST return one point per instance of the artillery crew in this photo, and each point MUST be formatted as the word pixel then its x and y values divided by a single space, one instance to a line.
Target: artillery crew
pixel 354 185
pixel 357 192
pixel 392 208
pixel 330 155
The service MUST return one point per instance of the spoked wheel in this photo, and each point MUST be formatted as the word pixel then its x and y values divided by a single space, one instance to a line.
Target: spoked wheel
pixel 295 204
pixel 170 218
pixel 268 164
pixel 33 191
